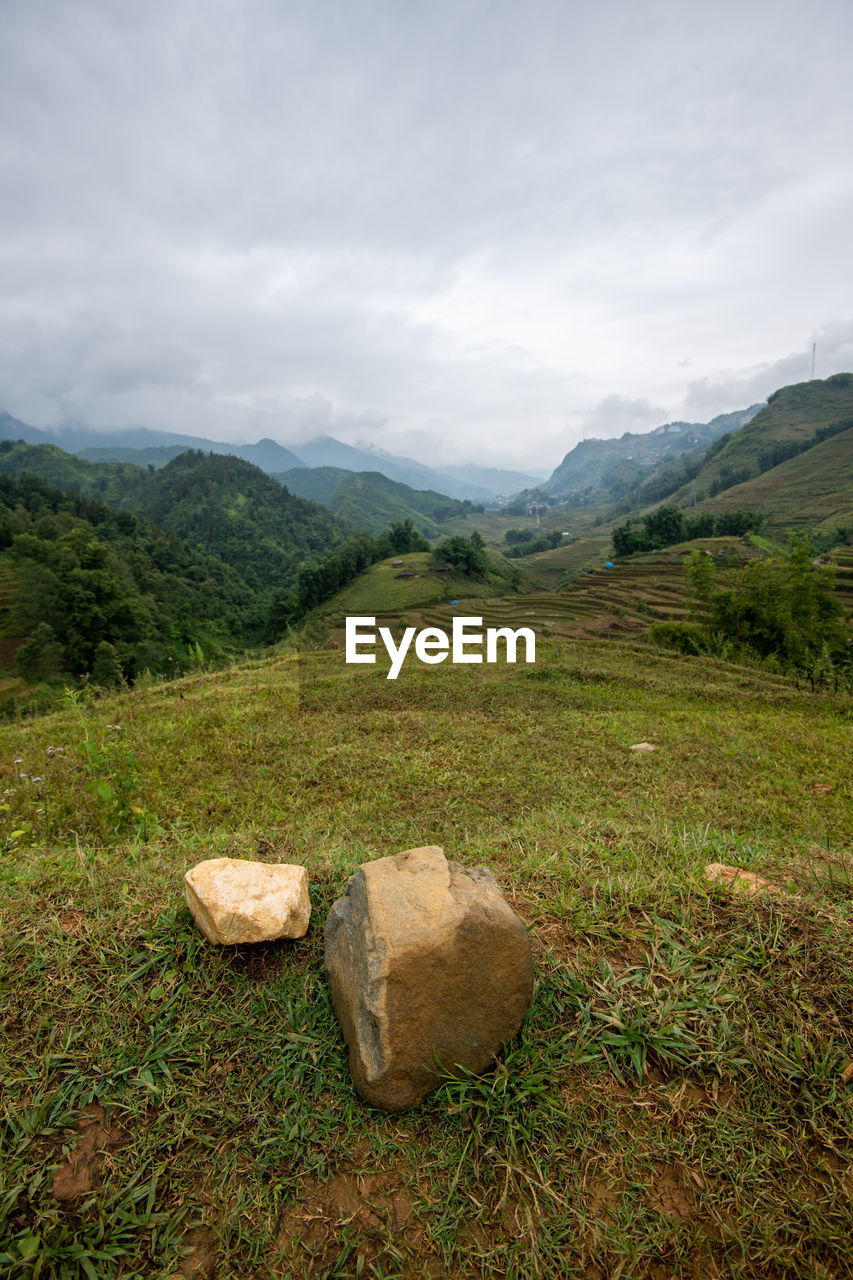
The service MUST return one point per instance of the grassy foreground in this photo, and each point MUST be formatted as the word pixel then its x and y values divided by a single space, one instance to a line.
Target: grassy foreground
pixel 677 1102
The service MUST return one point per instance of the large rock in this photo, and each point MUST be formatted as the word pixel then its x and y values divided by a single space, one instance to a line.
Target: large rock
pixel 430 969
pixel 234 900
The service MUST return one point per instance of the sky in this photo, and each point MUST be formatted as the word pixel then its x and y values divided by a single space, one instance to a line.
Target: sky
pixel 459 230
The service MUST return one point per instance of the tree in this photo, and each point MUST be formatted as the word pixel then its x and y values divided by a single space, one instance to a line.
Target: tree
pixel 41 658
pixel 781 606
pixel 106 669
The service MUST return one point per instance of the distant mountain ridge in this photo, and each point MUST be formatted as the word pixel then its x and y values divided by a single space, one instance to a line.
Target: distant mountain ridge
pixel 147 447
pixel 589 464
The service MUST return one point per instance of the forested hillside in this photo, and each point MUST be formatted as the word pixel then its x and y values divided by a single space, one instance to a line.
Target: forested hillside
pixel 112 482
pixel 179 565
pixel 76 574
pixel 234 509
pixel 216 502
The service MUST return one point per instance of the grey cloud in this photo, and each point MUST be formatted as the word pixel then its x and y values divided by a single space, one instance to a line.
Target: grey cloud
pixel 833 353
pixel 616 414
pixel 464 224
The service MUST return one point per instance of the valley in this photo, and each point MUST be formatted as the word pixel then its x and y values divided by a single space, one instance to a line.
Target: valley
pixel 677 1101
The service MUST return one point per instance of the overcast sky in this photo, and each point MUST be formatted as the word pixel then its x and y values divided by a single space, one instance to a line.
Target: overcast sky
pixel 455 229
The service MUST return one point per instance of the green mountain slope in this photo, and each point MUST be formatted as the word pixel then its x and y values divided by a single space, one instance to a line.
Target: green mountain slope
pixel 232 508
pixel 215 502
pixel 314 483
pixel 795 417
pixel 631 457
pixel 811 491
pixel 368 500
pixel 110 482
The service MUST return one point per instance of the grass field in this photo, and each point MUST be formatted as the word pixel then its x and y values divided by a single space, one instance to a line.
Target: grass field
pixel 675 1104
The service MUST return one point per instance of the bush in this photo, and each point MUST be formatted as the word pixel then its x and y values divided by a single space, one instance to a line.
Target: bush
pixel 686 637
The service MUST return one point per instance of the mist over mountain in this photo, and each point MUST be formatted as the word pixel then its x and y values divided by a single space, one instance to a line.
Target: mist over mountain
pixel 147 447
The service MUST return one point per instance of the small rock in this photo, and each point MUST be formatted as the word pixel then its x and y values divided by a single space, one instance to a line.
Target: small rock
pixel 643 746
pixel 235 900
pixel 430 970
pixel 737 878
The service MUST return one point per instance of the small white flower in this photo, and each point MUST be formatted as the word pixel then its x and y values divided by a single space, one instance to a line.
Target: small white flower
pixel 19 762
pixel 37 779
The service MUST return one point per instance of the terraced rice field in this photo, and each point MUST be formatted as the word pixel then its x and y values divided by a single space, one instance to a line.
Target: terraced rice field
pixel 627 597
pixel 604 601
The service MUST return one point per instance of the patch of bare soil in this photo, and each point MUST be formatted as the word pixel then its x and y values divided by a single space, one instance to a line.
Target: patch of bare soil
pixel 80 1173
pixel 369 1208
pixel 71 922
pixel 198 1258
pixel 669 1195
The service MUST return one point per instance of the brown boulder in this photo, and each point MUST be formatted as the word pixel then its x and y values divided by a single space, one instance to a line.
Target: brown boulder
pixel 430 971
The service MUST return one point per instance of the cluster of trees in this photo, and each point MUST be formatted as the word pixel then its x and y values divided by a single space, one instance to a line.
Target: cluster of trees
pixel 527 542
pixel 79 575
pixel 318 583
pixel 669 524
pixel 782 607
pixel 467 554
pixel 729 476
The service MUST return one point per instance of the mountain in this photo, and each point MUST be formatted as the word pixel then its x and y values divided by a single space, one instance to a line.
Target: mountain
pixel 316 483
pixel 326 451
pixel 216 502
pixel 237 511
pixel 146 447
pixel 786 426
pixel 793 460
pixel 266 454
pixel 493 480
pixel 369 500
pixel 631 457
pixel 156 455
pixel 13 429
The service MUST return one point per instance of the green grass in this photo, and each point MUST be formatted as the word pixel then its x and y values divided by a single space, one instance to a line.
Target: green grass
pixel 380 589
pixel 674 1104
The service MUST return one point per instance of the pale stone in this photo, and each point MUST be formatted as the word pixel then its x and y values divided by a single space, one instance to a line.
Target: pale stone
pixel 737 878
pixel 430 971
pixel 643 746
pixel 235 900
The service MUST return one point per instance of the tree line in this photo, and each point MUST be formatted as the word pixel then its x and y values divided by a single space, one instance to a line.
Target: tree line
pixel 669 524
